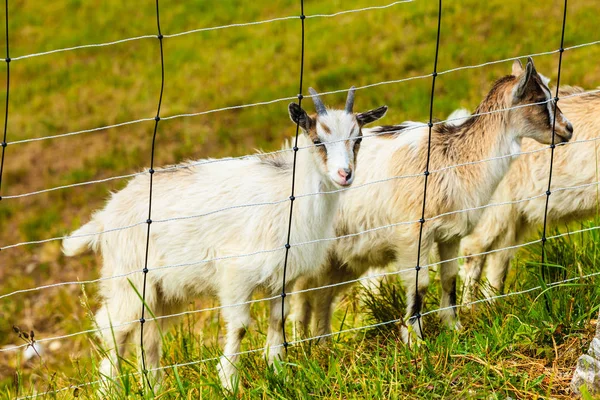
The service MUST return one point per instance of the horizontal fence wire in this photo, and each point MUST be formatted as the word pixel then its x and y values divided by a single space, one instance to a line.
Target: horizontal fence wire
pixel 332 334
pixel 289 98
pixel 360 279
pixel 34 242
pixel 121 228
pixel 85 46
pixel 512 202
pixel 489 205
pixel 214 28
pixel 266 154
pixel 72 185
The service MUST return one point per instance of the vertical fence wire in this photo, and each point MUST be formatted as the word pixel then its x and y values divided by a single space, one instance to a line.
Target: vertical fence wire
pixel 7 60
pixel 552 147
pixel 292 198
pixel 151 172
pixel 417 297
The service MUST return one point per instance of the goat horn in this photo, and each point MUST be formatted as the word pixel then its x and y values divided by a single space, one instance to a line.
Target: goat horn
pixel 350 100
pixel 319 106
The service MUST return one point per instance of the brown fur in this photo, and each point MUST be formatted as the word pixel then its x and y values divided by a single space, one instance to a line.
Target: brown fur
pixel 496 132
pixel 468 142
pixel 508 225
pixel 325 128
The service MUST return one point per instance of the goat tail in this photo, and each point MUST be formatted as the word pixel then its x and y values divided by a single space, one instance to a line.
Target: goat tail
pixel 82 239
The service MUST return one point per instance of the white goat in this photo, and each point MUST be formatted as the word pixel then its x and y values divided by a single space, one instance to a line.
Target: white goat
pixel 503 226
pixel 403 152
pixel 199 190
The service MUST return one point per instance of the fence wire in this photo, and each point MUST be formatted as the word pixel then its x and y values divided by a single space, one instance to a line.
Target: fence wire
pixel 149 220
pixel 552 148
pixel 415 303
pixel 292 197
pixel 202 162
pixel 397 272
pixel 7 60
pixel 214 28
pixel 288 245
pixel 336 333
pixel 392 225
pixel 288 98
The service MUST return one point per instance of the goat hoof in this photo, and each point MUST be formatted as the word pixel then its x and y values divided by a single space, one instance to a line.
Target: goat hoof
pixel 467 300
pixel 410 337
pixel 324 341
pixel 458 326
pixel 227 374
pixel 271 357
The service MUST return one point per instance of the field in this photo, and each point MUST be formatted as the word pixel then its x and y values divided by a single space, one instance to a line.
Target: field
pixel 517 347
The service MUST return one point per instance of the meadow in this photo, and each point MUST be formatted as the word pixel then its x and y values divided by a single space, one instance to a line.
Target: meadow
pixel 517 347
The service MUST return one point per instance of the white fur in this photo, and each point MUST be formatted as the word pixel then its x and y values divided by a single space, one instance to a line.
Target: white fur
pixel 201 190
pixel 373 206
pixel 338 155
pixel 383 204
pixel 505 226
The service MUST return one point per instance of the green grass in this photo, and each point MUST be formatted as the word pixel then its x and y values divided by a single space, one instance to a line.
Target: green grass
pixel 506 349
pixel 510 348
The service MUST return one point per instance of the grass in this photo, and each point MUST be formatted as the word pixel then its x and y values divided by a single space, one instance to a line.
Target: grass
pixel 511 348
pixel 506 349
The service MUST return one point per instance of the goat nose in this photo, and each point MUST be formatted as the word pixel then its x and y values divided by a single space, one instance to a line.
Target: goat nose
pixel 570 127
pixel 345 173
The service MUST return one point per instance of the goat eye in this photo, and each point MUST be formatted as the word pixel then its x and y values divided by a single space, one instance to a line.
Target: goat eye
pixel 317 142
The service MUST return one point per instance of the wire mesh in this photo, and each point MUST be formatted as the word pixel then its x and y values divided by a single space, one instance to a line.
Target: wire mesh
pixel 289 245
pixel 552 148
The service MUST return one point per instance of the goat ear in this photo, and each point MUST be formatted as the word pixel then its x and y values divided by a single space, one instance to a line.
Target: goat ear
pixel 530 62
pixel 523 80
pixel 370 116
pixel 517 68
pixel 300 117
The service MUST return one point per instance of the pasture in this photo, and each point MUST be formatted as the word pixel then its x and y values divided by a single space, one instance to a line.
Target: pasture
pixel 517 347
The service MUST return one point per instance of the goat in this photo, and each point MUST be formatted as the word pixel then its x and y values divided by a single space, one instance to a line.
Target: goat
pixel 401 150
pixel 333 138
pixel 507 225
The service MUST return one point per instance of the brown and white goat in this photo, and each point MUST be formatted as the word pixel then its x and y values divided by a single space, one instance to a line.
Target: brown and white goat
pixel 198 228
pixel 575 164
pixel 496 132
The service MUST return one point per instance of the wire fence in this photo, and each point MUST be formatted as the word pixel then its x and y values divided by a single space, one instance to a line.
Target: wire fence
pixel 418 300
pixel 288 244
pixel 288 98
pixel 151 172
pixel 7 61
pixel 552 147
pixel 332 334
pixel 275 202
pixel 292 197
